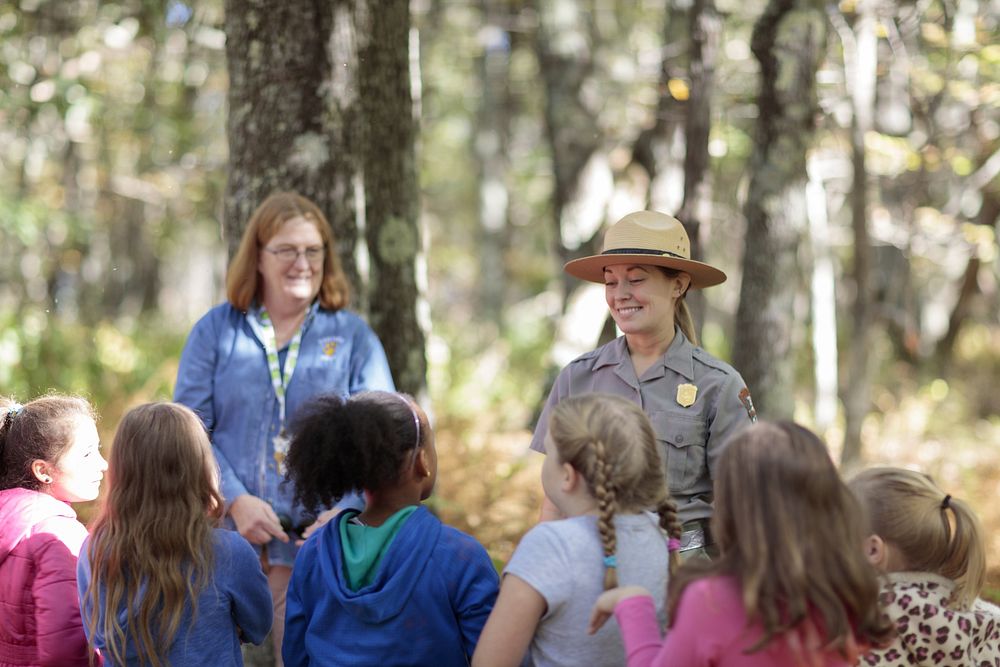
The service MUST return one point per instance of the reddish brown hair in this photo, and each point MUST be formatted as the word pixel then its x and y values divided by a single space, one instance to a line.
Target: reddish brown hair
pixel 243 284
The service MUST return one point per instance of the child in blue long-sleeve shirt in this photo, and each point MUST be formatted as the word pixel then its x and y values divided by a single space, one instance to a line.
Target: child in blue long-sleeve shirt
pixel 159 583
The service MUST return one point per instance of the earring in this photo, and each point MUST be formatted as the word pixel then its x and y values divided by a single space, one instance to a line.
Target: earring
pixel 46 480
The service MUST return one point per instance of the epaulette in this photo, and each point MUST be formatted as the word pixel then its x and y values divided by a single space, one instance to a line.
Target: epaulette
pixel 712 361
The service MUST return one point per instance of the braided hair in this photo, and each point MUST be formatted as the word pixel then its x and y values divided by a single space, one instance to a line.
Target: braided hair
pixel 611 443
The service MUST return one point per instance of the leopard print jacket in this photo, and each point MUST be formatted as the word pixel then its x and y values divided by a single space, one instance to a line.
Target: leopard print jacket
pixel 930 633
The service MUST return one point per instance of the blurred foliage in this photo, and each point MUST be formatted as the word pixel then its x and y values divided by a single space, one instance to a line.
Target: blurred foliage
pixel 112 164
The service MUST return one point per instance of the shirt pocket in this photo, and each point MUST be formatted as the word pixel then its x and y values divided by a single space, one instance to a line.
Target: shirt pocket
pixel 682 445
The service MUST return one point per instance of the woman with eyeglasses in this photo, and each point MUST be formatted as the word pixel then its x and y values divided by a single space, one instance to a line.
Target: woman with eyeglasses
pixel 284 336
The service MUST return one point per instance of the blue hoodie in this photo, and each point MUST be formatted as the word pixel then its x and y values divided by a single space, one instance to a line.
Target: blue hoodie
pixel 429 600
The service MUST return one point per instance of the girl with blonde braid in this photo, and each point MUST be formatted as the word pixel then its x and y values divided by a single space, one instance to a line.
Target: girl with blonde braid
pixel 602 472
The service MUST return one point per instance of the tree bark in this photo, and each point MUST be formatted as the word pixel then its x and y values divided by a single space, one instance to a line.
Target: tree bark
pixel 303 75
pixel 293 113
pixel 706 27
pixel 861 60
pixel 787 41
pixel 392 205
pixel 491 153
pixel 564 49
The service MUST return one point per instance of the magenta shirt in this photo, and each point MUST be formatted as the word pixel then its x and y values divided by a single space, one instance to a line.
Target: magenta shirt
pixel 710 630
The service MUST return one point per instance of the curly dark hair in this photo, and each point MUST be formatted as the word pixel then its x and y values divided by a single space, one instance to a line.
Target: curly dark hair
pixel 341 445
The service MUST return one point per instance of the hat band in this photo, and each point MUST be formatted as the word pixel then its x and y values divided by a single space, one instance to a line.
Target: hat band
pixel 642 251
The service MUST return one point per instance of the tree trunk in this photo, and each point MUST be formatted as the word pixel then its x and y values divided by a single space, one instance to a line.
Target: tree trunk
pixel 823 300
pixel 706 27
pixel 788 40
pixel 293 113
pixel 491 154
pixel 565 56
pixel 303 75
pixel 660 149
pixel 860 60
pixel 392 205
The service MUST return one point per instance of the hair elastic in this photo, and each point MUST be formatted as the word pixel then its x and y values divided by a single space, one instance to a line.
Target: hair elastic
pixel 946 503
pixel 15 409
pixel 610 561
pixel 673 544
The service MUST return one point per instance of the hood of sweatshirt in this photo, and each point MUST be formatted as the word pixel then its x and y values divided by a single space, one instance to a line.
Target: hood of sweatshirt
pixel 400 570
pixel 21 511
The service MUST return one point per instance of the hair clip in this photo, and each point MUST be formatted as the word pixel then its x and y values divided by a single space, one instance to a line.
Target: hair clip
pixel 15 409
pixel 673 544
pixel 946 503
pixel 610 561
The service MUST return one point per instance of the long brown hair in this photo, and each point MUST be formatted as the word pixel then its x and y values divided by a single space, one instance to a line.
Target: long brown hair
pixel 791 533
pixel 933 532
pixel 150 548
pixel 611 443
pixel 243 280
pixel 40 429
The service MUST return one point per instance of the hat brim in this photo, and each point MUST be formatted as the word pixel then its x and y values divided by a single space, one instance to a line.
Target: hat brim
pixel 592 268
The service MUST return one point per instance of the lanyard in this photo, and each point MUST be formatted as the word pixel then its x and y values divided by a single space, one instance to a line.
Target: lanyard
pixel 265 330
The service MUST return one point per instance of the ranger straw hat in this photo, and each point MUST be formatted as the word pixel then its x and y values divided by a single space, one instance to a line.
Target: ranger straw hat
pixel 646 237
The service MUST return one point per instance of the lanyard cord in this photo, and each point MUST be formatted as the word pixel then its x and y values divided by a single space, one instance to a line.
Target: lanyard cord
pixel 279 380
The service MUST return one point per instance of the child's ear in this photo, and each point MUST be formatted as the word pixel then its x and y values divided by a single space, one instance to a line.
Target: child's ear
pixel 40 469
pixel 876 551
pixel 570 478
pixel 422 464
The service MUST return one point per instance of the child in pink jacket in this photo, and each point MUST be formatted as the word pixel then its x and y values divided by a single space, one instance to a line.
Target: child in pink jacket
pixel 49 458
pixel 791 587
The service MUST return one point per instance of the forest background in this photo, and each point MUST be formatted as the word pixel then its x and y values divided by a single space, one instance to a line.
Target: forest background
pixel 839 161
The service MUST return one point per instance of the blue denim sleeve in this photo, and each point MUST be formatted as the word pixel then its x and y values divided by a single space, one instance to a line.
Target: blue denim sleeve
pixel 195 388
pixel 369 365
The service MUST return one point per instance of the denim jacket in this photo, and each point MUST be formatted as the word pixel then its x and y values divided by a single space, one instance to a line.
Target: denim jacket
pixel 224 378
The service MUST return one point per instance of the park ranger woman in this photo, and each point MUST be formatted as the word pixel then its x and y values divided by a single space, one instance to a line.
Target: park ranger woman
pixel 694 401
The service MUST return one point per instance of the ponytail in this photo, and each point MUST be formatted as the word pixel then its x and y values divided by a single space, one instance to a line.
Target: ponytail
pixel 965 563
pixel 682 316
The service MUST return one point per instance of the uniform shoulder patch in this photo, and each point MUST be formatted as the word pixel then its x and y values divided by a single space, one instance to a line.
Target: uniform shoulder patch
pixel 747 402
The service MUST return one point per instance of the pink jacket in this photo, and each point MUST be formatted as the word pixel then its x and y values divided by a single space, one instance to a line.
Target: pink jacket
pixel 40 539
pixel 710 630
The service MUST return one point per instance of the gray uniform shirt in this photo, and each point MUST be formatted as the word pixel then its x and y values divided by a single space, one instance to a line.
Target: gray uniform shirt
pixel 691 438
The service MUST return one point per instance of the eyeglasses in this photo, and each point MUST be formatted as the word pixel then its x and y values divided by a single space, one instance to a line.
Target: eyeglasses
pixel 288 254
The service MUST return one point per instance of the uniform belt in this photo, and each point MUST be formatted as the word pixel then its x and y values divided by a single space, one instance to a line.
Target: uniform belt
pixel 695 535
